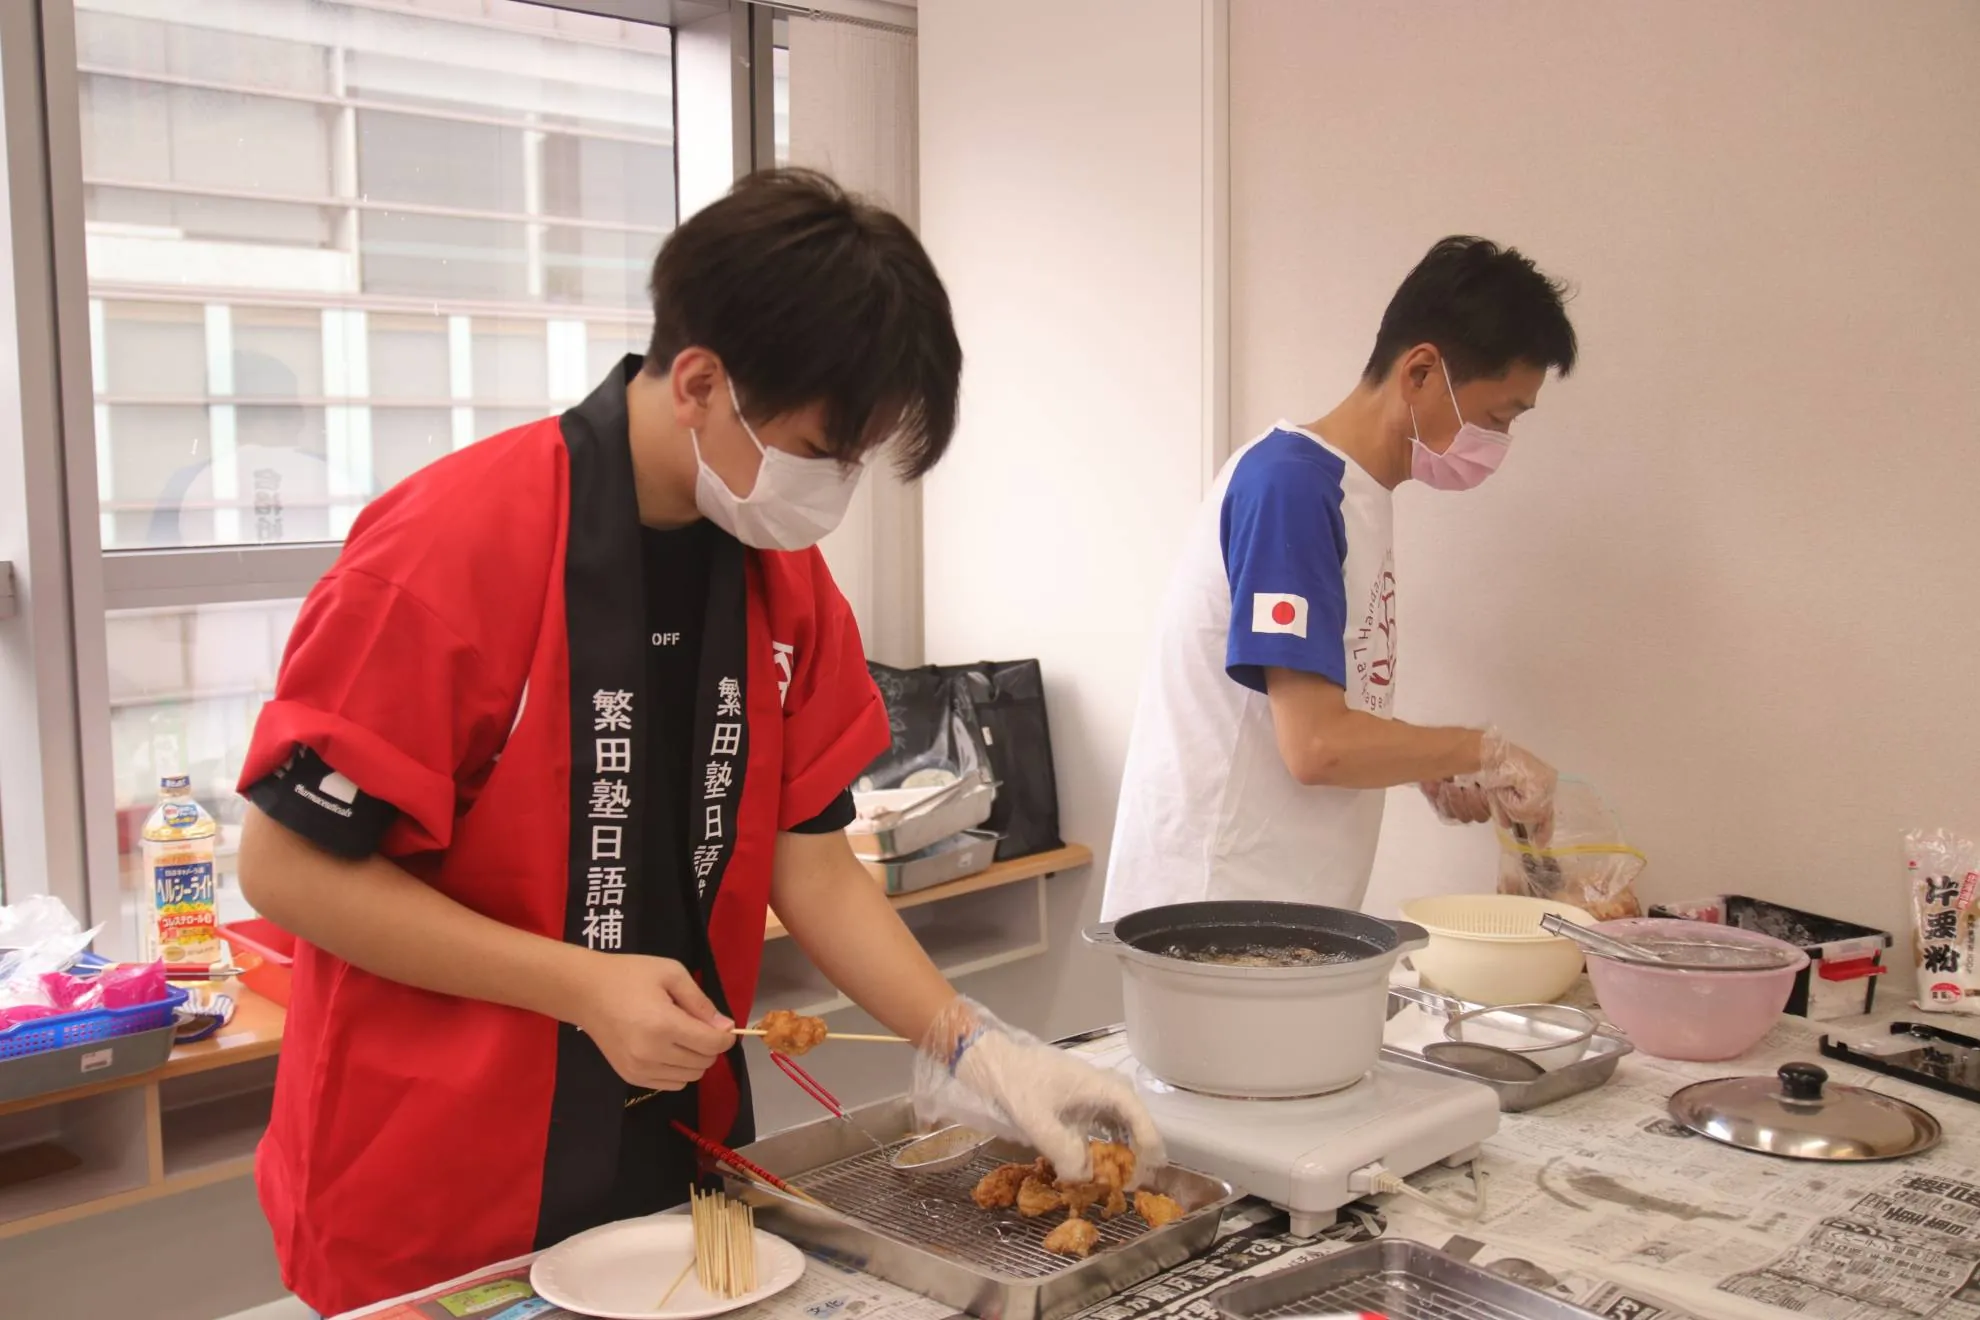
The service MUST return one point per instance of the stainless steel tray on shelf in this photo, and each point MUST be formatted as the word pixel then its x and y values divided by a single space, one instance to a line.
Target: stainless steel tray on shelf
pixel 925 1234
pixel 963 805
pixel 954 858
pixel 1394 1278
pixel 1605 1052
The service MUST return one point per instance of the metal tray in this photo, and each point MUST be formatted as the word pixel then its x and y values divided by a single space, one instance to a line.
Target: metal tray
pixel 925 1234
pixel 1605 1052
pixel 953 858
pixel 963 805
pixel 1394 1278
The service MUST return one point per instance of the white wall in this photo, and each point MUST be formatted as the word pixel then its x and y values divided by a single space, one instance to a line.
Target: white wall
pixel 1727 571
pixel 1062 197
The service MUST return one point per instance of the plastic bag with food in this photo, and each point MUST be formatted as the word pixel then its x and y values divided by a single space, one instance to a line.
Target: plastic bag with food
pixel 126 985
pixel 1585 861
pixel 1942 872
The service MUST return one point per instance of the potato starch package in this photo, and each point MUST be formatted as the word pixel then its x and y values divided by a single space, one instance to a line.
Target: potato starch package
pixel 1943 872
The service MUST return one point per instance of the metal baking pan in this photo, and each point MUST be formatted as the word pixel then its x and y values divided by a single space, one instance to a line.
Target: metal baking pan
pixel 1394 1278
pixel 1605 1052
pixel 963 805
pixel 925 1234
pixel 953 858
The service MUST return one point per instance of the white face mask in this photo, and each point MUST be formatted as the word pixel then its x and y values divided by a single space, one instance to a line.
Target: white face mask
pixel 793 504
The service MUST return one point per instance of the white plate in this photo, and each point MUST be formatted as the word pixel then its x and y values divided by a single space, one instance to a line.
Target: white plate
pixel 621 1271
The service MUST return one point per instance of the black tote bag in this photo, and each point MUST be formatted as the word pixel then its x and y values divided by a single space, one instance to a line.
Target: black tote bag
pixel 956 718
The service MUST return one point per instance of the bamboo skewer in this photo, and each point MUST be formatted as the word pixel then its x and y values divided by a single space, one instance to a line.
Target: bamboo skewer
pixel 675 1287
pixel 837 1035
pixel 724 1246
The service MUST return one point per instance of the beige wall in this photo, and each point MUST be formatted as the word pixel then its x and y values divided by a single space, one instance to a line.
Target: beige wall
pixel 1727 571
pixel 1063 173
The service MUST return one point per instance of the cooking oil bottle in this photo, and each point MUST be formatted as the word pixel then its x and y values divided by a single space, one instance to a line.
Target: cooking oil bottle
pixel 182 917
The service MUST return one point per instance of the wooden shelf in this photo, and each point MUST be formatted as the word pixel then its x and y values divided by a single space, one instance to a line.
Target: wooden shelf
pixel 255 1033
pixel 1015 871
pixel 218 1133
pixel 183 1125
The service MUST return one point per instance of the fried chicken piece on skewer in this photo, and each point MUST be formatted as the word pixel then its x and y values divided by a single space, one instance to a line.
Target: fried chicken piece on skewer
pixel 789 1033
pixel 1076 1237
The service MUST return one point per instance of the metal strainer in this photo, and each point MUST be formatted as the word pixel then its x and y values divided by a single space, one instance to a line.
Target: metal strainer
pixel 940 1151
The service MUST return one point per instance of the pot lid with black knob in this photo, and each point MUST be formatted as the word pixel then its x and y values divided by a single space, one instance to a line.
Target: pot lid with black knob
pixel 1799 1114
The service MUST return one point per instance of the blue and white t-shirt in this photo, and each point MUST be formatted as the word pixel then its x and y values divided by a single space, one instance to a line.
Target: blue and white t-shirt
pixel 1289 565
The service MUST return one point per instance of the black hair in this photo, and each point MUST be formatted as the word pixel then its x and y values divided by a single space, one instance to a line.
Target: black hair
pixel 809 294
pixel 1485 308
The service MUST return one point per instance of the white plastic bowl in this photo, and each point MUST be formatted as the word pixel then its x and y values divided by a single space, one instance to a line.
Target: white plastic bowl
pixel 1489 948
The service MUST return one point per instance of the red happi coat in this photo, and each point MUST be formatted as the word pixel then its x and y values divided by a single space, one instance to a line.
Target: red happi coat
pixel 476 658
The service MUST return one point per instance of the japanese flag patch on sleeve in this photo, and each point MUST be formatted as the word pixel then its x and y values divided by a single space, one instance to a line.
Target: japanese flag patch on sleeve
pixel 1274 612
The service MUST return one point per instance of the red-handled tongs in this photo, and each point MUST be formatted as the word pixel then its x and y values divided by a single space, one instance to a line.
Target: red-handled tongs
pixel 811 1086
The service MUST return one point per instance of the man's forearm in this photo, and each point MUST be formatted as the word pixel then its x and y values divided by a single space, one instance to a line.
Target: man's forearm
pixel 1325 741
pixel 1353 749
pixel 1359 750
pixel 375 916
pixel 844 924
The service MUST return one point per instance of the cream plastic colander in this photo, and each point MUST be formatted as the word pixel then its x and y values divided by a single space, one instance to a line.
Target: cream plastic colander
pixel 1489 948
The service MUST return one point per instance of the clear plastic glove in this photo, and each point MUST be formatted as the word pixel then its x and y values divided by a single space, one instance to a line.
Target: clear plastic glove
pixel 1520 784
pixel 976 1071
pixel 1461 801
pixel 1512 784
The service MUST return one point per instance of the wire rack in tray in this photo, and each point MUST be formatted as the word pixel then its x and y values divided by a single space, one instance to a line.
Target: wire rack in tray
pixel 935 1211
pixel 1396 1278
pixel 1394 1295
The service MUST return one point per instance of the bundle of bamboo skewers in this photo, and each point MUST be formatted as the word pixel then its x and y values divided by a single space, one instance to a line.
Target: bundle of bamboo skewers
pixel 724 1247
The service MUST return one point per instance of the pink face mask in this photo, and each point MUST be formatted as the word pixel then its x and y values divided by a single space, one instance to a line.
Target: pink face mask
pixel 1474 455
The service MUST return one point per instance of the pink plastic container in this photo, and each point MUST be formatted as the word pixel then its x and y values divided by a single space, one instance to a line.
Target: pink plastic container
pixel 1701 1016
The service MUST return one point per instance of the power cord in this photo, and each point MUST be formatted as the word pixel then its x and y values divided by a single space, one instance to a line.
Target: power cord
pixel 1375 1180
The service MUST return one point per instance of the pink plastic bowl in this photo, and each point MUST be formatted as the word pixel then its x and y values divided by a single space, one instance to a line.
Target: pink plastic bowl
pixel 1701 1016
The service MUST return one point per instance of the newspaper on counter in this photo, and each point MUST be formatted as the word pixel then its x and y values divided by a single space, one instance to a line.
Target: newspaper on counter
pixel 826 1291
pixel 1599 1200
pixel 1604 1183
pixel 1252 1241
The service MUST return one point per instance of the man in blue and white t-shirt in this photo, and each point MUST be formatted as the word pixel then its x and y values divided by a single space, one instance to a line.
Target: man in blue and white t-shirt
pixel 1265 738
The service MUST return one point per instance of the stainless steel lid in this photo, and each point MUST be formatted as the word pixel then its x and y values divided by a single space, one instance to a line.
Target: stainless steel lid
pixel 1799 1115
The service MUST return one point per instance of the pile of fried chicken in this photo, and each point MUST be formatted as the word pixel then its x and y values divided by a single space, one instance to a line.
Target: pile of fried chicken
pixel 1037 1190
